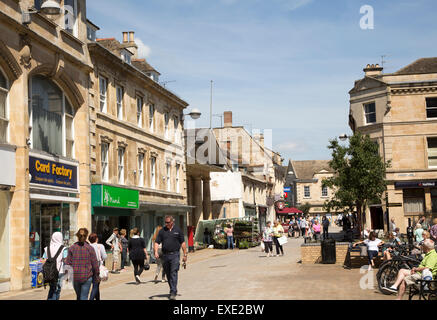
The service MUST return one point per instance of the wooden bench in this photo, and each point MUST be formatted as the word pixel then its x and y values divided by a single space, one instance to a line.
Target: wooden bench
pixel 354 259
pixel 426 290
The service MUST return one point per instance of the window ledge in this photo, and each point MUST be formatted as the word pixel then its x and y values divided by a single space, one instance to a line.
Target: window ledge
pixel 68 35
pixel 47 20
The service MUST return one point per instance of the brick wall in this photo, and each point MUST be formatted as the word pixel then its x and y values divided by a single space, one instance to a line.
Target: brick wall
pixel 312 253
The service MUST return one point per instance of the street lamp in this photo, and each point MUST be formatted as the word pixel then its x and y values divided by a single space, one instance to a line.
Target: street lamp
pixel 343 137
pixel 49 7
pixel 195 114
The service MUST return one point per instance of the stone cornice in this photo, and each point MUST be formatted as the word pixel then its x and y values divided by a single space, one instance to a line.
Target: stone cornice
pixel 414 90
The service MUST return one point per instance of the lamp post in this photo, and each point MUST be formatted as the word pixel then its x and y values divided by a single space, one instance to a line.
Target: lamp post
pixel 49 7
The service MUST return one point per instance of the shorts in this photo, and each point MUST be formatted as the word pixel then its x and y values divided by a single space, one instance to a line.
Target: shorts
pixel 116 255
pixel 411 279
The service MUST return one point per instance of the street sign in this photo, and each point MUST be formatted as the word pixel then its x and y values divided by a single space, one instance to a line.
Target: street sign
pixel 287 189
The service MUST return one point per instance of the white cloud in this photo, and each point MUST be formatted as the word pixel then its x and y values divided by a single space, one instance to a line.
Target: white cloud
pixel 294 4
pixel 143 50
pixel 290 146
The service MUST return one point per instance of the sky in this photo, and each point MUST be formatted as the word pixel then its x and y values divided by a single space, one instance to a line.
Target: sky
pixel 284 65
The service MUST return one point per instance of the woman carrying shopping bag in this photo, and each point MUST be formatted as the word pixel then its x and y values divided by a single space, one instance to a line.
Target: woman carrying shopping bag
pixel 278 232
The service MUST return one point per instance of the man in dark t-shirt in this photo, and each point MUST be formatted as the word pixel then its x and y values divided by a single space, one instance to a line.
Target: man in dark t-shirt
pixel 172 239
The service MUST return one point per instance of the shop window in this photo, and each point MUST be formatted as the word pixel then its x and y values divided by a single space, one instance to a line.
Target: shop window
pixel 119 92
pixel 4 235
pixel 103 87
pixel 414 201
pixel 51 118
pixel 4 122
pixel 140 169
pixel 70 16
pixel 140 112
pixel 104 161
pixel 434 200
pixel 432 152
pixel 151 116
pixel 153 172
pixel 121 152
pixel 431 107
pixel 370 112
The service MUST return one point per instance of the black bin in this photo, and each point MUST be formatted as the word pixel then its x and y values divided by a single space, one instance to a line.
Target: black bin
pixel 328 251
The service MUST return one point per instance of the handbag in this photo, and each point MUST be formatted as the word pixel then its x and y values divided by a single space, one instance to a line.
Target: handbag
pixel 263 247
pixel 146 265
pixel 282 240
pixel 103 271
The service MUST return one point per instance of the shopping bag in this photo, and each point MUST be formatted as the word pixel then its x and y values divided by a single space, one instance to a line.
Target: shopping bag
pixel 263 247
pixel 282 240
pixel 146 265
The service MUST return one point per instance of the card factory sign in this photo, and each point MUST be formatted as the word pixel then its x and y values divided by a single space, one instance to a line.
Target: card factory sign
pixel 52 173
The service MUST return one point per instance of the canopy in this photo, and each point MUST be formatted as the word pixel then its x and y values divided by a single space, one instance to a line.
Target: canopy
pixel 288 211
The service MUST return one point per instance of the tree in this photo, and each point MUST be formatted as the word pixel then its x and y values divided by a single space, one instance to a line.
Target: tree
pixel 305 208
pixel 359 176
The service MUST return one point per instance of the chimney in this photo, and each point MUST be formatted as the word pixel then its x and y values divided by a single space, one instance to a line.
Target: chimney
pixel 259 138
pixel 129 43
pixel 373 70
pixel 228 119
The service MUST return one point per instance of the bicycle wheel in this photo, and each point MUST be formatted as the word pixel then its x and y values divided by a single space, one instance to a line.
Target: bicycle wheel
pixel 387 277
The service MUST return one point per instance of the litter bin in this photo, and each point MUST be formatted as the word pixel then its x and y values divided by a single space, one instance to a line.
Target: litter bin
pixel 328 251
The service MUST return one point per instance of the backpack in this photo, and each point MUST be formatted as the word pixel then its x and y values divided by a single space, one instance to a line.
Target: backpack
pixel 50 270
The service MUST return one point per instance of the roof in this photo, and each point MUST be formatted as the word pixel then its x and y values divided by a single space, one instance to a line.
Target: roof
pixel 143 65
pixel 308 168
pixel 423 65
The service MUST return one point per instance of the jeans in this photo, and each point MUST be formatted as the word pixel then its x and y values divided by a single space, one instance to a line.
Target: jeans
pixel 325 233
pixel 302 232
pixel 230 242
pixel 123 258
pixel 207 239
pixel 55 289
pixel 277 245
pixel 268 246
pixel 95 291
pixel 82 289
pixel 171 263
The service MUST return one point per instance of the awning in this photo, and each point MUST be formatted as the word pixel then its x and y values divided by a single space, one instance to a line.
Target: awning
pixel 288 211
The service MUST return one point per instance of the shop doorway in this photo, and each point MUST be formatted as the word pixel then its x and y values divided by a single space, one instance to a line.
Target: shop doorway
pixel 377 218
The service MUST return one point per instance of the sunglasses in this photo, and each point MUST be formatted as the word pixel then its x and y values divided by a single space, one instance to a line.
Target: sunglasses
pixel 167 222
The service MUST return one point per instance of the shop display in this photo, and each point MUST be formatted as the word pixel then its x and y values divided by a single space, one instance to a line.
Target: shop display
pixel 36 279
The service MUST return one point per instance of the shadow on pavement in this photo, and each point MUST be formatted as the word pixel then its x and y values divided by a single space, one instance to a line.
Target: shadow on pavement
pixel 160 296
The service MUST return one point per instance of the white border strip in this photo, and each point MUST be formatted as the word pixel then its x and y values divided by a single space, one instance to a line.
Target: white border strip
pixel 35 196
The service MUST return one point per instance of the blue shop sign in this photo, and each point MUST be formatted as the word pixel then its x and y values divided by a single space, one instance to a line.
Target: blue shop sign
pixel 52 173
pixel 287 189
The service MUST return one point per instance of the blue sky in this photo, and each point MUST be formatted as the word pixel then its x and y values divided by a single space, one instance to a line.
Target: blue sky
pixel 285 65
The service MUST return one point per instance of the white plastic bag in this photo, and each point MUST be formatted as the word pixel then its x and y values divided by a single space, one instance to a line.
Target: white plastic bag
pixel 282 240
pixel 263 247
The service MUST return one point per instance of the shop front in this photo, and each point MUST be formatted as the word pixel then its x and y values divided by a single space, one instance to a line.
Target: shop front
pixel 54 196
pixel 249 210
pixel 113 207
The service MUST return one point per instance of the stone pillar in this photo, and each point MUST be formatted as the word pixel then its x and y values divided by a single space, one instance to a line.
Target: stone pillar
pixel 197 197
pixel 190 199
pixel 207 212
pixel 428 202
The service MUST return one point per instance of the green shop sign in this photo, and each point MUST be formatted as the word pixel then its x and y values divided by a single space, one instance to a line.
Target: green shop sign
pixel 107 196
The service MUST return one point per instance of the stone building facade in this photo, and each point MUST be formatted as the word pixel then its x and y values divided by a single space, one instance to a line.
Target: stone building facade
pixel 399 112
pixel 44 80
pixel 136 141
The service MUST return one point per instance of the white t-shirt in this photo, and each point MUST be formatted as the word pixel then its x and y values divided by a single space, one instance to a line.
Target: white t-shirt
pixel 372 245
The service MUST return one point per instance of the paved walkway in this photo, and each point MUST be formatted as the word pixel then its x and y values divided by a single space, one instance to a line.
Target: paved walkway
pixel 236 275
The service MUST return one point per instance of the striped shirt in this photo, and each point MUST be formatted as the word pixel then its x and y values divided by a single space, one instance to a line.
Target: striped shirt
pixel 83 260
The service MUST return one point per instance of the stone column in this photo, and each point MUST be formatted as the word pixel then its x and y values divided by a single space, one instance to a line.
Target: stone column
pixel 197 197
pixel 190 194
pixel 428 202
pixel 207 212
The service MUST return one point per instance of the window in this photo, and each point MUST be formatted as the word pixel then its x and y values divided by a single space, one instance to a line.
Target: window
pixel 414 200
pixel 126 56
pixel 324 191
pixel 153 173
pixel 151 116
pixel 140 112
pixel 168 177
pixel 176 129
pixel 431 107
pixel 370 112
pixel 119 91
pixel 432 152
pixel 104 161
pixel 103 87
pixel 70 16
pixel 91 33
pixel 140 169
pixel 307 193
pixel 51 118
pixel 178 166
pixel 4 122
pixel 166 120
pixel 121 165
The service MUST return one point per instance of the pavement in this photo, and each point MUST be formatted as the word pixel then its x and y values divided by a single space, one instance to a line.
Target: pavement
pixel 213 274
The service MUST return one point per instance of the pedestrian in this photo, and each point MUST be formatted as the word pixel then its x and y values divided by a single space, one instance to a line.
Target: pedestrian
pixel 206 237
pixel 418 233
pixel 303 227
pixel 229 230
pixel 159 267
pixel 392 225
pixel 83 260
pixel 325 223
pixel 114 242
pixel 124 245
pixel 373 244
pixel 101 257
pixel 317 229
pixel 172 240
pixel 268 239
pixel 394 241
pixel 433 230
pixel 278 231
pixel 137 253
pixel 424 223
pixel 56 244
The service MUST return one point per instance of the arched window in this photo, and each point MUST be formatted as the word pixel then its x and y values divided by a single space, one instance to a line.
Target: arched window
pixel 4 122
pixel 51 118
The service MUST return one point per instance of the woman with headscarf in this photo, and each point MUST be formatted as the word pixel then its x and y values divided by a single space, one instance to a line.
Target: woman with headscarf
pixel 55 243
